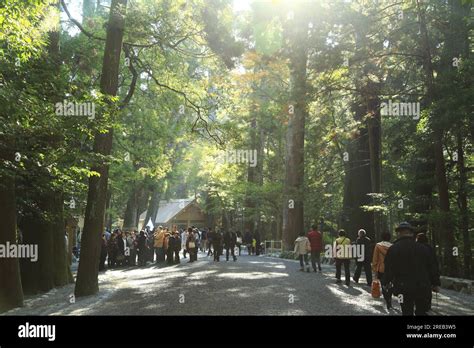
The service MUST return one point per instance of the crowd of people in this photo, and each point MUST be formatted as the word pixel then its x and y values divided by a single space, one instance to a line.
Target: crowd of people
pixel 163 246
pixel 407 268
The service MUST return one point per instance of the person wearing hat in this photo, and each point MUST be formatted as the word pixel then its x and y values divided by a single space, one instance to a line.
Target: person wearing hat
pixel 365 245
pixel 409 268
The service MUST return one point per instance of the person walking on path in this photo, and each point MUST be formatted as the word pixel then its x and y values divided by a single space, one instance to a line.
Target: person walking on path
pixel 248 240
pixel 316 242
pixel 159 237
pixel 210 238
pixel 230 239
pixel 166 241
pixel 342 257
pixel 217 243
pixel 364 244
pixel 254 244
pixel 142 248
pixel 191 245
pixel 112 250
pixel 421 238
pixel 197 239
pixel 302 248
pixel 121 248
pixel 409 267
pixel 132 253
pixel 239 241
pixel 150 241
pixel 184 239
pixel 203 245
pixel 378 265
pixel 177 246
pixel 103 252
pixel 171 248
pixel 258 243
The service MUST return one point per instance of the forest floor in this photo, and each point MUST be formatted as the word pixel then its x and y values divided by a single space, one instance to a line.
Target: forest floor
pixel 254 285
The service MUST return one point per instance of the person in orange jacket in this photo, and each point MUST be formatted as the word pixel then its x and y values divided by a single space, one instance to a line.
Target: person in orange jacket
pixel 378 265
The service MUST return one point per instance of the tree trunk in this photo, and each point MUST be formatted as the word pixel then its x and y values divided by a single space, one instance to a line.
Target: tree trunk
pixel 446 225
pixel 130 217
pixel 357 184
pixel 11 292
pixel 374 127
pixel 37 228
pixel 153 205
pixel 108 215
pixel 293 221
pixel 87 275
pixel 71 225
pixel 250 203
pixel 56 203
pixel 463 208
pixel 143 197
pixel 60 249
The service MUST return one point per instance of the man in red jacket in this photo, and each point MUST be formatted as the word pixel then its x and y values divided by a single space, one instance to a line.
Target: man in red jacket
pixel 316 241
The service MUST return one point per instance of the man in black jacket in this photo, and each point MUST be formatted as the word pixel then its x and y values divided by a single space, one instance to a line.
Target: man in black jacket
pixel 409 267
pixel 230 239
pixel 421 238
pixel 217 244
pixel 364 262
pixel 248 241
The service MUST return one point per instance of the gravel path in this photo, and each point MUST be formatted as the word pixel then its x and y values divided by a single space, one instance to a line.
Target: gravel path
pixel 251 286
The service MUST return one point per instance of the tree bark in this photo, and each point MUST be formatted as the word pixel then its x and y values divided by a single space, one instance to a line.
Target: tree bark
pixel 130 216
pixel 153 204
pixel 464 209
pixel 87 275
pixel 446 225
pixel 60 249
pixel 11 291
pixel 374 127
pixel 293 221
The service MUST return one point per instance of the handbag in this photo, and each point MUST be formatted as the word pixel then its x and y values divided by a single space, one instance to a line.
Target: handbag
pixel 191 245
pixel 239 240
pixel 375 289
